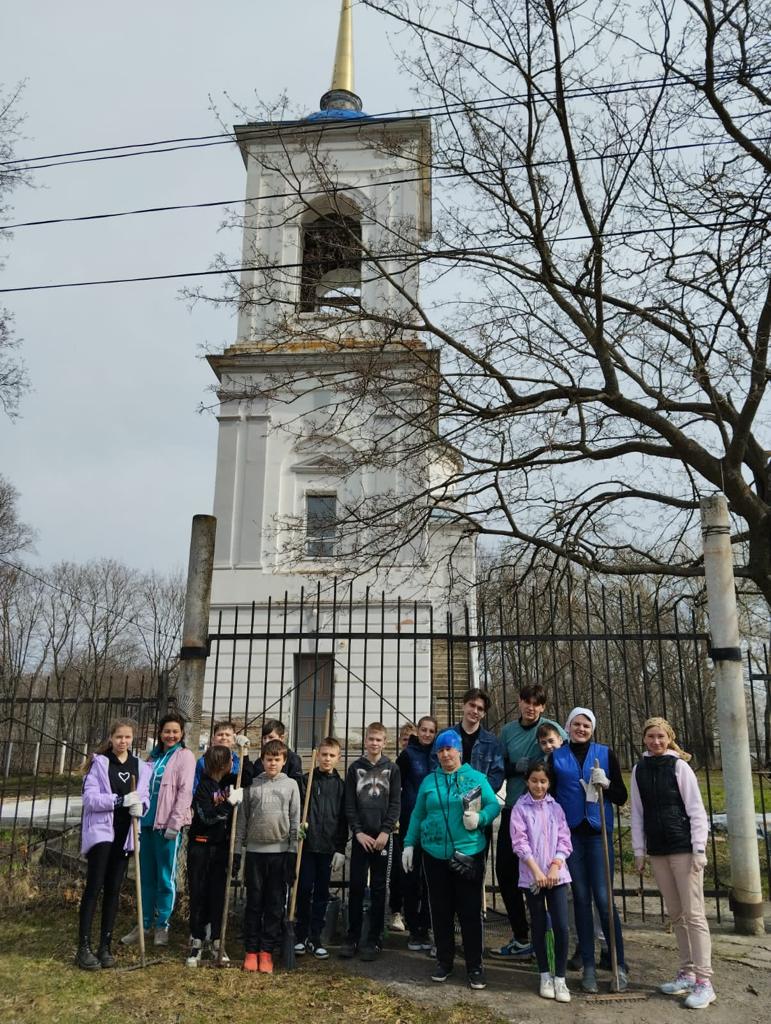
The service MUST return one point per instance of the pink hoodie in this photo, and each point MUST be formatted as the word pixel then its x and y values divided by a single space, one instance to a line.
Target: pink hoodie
pixel 539 829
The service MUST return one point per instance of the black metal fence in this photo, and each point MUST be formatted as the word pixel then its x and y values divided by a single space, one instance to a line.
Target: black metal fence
pixel 330 657
pixel 45 736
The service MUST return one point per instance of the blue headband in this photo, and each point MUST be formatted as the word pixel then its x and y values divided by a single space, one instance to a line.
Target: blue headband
pixel 448 738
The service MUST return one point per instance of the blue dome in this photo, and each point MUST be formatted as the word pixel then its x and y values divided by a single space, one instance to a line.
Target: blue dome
pixel 338 114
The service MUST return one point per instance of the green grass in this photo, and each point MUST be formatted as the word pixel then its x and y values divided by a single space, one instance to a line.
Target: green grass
pixel 38 982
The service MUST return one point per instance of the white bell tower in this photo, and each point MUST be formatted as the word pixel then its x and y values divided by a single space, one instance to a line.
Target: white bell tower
pixel 326 372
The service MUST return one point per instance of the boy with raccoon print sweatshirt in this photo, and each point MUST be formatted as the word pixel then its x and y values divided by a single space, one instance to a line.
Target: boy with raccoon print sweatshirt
pixel 372 803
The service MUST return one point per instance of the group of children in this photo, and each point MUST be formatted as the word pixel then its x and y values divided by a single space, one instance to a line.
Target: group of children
pixel 373 804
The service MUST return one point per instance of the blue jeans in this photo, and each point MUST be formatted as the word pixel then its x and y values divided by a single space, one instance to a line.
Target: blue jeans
pixel 587 871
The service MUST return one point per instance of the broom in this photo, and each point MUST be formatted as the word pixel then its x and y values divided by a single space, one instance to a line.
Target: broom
pixel 243 751
pixel 288 943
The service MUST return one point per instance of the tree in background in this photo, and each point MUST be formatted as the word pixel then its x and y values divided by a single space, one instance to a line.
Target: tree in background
pixel 599 285
pixel 13 376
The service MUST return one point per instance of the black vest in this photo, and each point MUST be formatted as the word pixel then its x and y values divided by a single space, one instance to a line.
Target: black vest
pixel 667 826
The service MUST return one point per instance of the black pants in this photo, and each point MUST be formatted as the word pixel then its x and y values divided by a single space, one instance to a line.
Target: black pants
pixel 264 874
pixel 207 868
pixel 107 864
pixel 507 873
pixel 451 895
pixel 376 865
pixel 416 910
pixel 556 902
pixel 313 895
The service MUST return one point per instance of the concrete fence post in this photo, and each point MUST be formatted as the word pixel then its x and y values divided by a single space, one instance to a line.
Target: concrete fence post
pixel 195 629
pixel 747 895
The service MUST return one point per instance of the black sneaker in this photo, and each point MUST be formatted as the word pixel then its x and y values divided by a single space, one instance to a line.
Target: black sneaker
pixel 349 949
pixel 476 979
pixel 441 973
pixel 370 951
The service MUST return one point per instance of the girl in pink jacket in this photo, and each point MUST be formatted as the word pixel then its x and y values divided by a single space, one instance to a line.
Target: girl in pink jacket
pixel 169 811
pixel 540 837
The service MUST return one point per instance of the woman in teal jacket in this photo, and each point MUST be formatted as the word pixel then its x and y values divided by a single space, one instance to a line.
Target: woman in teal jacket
pixel 455 805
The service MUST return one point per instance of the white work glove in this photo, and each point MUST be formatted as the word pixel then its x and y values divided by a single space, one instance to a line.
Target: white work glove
pixel 132 800
pixel 590 791
pixel 338 861
pixel 408 855
pixel 235 796
pixel 639 863
pixel 470 820
pixel 599 778
pixel 698 862
pixel 171 833
pixel 242 741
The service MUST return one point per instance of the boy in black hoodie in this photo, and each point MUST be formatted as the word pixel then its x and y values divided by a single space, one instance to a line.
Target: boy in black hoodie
pixel 372 802
pixel 324 835
pixel 207 849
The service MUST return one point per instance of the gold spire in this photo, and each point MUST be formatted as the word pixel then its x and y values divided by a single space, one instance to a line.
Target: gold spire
pixel 342 73
pixel 340 95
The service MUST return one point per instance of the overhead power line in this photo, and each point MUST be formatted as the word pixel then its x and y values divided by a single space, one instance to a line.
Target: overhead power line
pixel 304 195
pixel 450 255
pixel 298 127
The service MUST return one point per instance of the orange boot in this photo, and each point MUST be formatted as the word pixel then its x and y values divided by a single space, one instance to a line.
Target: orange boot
pixel 250 962
pixel 266 963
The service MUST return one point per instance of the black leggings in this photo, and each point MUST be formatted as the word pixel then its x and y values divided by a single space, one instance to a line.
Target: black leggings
pixel 107 864
pixel 555 901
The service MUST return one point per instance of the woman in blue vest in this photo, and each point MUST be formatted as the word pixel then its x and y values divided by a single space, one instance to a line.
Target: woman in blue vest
pixel 575 790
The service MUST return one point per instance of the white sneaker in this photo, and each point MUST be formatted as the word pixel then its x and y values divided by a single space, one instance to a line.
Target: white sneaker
pixel 703 994
pixel 546 991
pixel 194 953
pixel 396 924
pixel 682 985
pixel 133 936
pixel 561 990
pixel 161 937
pixel 299 949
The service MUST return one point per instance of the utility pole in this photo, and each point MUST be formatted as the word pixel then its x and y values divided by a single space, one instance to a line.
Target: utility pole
pixel 195 629
pixel 747 895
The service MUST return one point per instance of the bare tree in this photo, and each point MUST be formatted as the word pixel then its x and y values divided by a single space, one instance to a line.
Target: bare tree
pixel 13 376
pixel 14 534
pixel 598 286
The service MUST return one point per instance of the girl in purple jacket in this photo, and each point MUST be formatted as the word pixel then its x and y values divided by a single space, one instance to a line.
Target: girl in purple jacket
pixel 540 837
pixel 115 789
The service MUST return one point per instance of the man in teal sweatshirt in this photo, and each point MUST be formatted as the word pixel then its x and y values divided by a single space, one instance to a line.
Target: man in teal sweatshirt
pixel 520 744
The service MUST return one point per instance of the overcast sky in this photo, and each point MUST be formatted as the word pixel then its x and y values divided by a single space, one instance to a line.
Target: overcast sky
pixel 111 456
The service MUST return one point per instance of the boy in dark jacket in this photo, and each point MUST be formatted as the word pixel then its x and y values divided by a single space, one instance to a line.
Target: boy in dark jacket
pixel 372 801
pixel 273 729
pixel 207 850
pixel 324 835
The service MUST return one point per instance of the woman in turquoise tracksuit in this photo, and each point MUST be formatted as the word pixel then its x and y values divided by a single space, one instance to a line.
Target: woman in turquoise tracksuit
pixel 171 797
pixel 442 825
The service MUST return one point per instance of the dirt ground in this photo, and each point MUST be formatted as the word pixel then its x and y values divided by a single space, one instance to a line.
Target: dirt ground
pixel 742 981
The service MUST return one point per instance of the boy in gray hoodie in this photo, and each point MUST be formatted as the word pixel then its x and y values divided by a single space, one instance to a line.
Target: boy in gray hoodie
pixel 268 829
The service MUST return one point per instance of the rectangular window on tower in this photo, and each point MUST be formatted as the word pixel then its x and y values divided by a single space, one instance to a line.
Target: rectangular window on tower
pixel 320 525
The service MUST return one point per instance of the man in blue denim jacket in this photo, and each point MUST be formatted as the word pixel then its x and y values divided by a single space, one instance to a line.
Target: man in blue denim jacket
pixel 481 749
